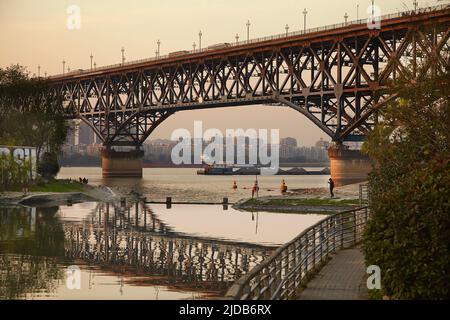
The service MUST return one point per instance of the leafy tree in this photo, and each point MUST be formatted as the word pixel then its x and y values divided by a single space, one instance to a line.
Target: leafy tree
pixel 408 236
pixel 31 113
pixel 48 166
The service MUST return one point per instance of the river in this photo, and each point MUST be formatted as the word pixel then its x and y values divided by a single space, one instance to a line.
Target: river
pixel 186 185
pixel 142 251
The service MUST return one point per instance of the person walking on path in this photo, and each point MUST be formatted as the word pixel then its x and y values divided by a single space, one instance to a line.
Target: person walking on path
pixel 331 183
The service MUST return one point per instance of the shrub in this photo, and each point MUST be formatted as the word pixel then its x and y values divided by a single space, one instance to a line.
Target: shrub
pixel 409 234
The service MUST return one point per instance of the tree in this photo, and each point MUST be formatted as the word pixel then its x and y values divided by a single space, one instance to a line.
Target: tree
pixel 31 113
pixel 48 166
pixel 408 236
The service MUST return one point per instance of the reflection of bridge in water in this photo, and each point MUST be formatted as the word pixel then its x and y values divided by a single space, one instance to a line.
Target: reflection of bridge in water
pixel 132 241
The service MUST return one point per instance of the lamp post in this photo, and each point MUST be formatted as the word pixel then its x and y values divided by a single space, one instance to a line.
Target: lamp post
pixel 416 4
pixel 39 71
pixel 200 40
pixel 287 29
pixel 194 45
pixel 357 12
pixel 95 65
pixel 123 55
pixel 158 43
pixel 373 10
pixel 237 38
pixel 304 19
pixel 64 66
pixel 248 24
pixel 346 18
pixel 91 56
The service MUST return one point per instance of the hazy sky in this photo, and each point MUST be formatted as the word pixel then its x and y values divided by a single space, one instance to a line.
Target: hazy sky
pixel 34 32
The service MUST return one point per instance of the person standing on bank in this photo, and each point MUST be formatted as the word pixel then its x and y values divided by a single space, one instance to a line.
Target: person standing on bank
pixel 331 183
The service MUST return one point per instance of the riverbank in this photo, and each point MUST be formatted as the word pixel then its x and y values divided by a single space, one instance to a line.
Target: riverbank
pixel 307 200
pixel 58 192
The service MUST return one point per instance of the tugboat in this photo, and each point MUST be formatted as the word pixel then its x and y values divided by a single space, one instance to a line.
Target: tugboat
pixel 216 170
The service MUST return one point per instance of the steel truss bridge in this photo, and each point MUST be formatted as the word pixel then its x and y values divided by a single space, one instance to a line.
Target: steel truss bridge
pixel 336 76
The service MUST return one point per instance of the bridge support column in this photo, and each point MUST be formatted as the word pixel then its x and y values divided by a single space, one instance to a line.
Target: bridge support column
pixel 348 166
pixel 122 164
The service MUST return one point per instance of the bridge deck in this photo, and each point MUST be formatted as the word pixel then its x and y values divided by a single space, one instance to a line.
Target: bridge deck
pixel 343 278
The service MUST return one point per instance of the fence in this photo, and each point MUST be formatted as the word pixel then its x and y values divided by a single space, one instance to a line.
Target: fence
pixel 363 195
pixel 281 275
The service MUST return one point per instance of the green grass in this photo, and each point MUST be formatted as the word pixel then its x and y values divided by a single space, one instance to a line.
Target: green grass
pixel 59 186
pixel 304 202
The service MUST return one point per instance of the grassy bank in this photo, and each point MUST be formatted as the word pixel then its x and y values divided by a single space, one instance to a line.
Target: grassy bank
pixel 54 186
pixel 303 202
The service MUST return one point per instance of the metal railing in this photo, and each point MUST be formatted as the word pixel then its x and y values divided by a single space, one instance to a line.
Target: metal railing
pixel 262 39
pixel 363 195
pixel 281 275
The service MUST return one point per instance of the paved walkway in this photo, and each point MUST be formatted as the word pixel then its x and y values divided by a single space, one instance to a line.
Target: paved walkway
pixel 342 278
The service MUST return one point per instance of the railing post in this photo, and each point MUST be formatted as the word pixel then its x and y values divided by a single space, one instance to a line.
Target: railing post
pixel 354 227
pixel 314 247
pixel 360 195
pixel 321 237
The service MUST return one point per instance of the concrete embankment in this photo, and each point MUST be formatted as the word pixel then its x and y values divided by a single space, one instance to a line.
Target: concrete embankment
pixel 45 199
pixel 297 208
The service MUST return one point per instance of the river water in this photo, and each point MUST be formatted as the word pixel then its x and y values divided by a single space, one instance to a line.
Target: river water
pixel 186 185
pixel 142 251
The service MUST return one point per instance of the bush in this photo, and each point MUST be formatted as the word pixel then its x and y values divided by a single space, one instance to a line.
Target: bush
pixel 48 166
pixel 13 174
pixel 409 234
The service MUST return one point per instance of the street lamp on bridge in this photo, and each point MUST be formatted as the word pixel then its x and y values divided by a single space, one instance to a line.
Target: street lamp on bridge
pixel 200 40
pixel 123 56
pixel 64 66
pixel 158 43
pixel 39 71
pixel 416 4
pixel 95 64
pixel 304 19
pixel 346 18
pixel 287 29
pixel 194 45
pixel 91 56
pixel 248 24
pixel 237 38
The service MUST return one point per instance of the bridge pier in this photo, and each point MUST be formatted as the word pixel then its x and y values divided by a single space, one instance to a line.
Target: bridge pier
pixel 122 164
pixel 348 166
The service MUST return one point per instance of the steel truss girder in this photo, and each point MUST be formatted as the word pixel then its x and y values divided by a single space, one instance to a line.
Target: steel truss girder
pixel 338 83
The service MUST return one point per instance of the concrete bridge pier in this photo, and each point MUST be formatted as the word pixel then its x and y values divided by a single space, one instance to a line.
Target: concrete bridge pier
pixel 122 164
pixel 348 166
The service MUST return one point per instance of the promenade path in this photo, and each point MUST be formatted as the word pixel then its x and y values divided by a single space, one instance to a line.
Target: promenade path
pixel 342 278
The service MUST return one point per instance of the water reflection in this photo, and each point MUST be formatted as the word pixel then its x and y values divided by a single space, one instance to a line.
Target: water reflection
pixel 30 242
pixel 134 241
pixel 128 247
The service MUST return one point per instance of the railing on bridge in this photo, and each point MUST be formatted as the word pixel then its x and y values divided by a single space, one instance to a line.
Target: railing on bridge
pixel 262 39
pixel 281 275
